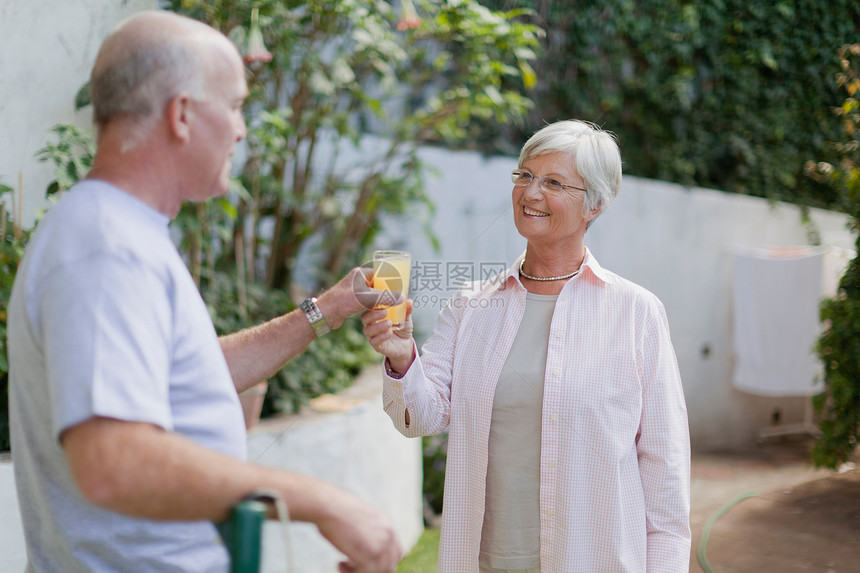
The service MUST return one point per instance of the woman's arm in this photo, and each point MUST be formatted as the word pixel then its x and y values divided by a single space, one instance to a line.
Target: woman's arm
pixel 663 447
pixel 417 390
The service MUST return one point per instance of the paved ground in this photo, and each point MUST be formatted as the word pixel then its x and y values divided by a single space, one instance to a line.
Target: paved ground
pixel 795 519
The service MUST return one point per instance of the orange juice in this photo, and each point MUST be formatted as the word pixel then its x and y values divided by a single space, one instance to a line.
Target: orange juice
pixel 391 270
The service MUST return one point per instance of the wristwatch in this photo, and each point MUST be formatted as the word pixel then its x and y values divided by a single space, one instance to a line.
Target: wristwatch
pixel 391 373
pixel 315 316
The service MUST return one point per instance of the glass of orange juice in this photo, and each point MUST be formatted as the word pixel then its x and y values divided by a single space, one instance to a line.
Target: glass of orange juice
pixel 391 271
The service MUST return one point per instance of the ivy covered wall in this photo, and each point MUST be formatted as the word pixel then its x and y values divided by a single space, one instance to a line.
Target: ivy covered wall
pixel 725 94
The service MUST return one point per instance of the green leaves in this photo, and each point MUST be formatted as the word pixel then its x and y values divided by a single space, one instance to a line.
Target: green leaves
pixel 839 344
pixel 329 365
pixel 335 122
pixel 732 95
pixel 12 243
pixel 82 98
pixel 72 156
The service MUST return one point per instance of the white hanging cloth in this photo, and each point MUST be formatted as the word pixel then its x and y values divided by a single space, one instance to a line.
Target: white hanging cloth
pixel 777 292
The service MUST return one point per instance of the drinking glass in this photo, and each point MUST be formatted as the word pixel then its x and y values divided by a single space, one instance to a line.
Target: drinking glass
pixel 391 270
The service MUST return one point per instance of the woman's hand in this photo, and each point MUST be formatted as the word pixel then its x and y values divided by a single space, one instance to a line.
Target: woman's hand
pixel 396 344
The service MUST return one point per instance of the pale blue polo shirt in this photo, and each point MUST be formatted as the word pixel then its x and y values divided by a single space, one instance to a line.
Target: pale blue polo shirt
pixel 105 320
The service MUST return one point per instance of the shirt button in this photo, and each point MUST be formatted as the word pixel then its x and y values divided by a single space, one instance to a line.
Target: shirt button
pixel 564 297
pixel 549 513
pixel 556 372
pixel 554 417
pixel 559 335
pixel 551 465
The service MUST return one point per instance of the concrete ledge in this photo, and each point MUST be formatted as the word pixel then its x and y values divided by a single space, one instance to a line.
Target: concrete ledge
pixel 345 439
pixel 349 441
pixel 13 556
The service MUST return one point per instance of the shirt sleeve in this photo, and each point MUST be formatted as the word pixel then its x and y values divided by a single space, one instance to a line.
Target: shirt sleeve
pixel 663 447
pixel 105 327
pixel 425 389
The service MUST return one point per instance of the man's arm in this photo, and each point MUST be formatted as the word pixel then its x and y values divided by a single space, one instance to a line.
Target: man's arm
pixel 140 470
pixel 256 353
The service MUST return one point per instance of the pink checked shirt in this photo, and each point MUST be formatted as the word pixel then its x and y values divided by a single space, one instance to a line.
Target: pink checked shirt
pixel 615 453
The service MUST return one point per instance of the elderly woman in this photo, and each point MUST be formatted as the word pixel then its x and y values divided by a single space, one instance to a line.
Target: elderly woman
pixel 568 443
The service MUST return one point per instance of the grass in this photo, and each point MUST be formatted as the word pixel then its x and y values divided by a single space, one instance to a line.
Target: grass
pixel 423 557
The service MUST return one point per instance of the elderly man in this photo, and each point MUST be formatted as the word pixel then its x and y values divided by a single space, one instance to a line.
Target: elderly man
pixel 127 432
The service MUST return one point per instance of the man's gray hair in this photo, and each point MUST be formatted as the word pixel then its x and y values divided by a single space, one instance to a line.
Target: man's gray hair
pixel 137 74
pixel 594 153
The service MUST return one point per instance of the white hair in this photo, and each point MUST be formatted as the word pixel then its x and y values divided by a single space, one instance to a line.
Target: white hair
pixel 594 153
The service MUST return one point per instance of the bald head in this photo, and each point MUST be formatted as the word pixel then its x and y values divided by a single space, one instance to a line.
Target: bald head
pixel 147 60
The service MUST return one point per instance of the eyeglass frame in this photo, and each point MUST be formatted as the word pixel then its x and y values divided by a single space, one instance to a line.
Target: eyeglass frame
pixel 517 173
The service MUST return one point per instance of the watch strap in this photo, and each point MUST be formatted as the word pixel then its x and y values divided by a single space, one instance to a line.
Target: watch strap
pixel 391 373
pixel 315 316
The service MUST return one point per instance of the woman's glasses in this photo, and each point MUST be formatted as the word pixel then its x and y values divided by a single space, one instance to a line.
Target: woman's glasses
pixel 523 178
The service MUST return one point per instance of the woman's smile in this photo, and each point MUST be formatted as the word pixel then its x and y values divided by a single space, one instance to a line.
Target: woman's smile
pixel 534 213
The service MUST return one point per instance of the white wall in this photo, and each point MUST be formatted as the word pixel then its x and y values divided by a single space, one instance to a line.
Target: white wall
pixel 679 243
pixel 47 48
pixel 676 241
pixel 13 556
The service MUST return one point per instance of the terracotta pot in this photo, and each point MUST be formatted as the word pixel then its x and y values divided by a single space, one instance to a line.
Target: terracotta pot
pixel 252 403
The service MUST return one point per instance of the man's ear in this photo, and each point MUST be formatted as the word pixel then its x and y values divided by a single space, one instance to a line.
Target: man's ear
pixel 179 115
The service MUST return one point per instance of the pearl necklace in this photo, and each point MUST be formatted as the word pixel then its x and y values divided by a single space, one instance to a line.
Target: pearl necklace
pixel 561 278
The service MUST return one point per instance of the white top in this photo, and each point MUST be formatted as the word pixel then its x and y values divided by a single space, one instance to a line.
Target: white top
pixel 105 320
pixel 510 539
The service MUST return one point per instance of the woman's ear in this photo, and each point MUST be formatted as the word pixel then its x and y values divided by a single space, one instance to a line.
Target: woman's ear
pixel 179 116
pixel 592 215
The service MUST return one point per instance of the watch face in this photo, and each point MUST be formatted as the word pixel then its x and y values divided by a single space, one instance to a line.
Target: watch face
pixel 315 316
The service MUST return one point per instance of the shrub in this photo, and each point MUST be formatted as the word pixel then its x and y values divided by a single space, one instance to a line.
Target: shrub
pixel 13 239
pixel 839 345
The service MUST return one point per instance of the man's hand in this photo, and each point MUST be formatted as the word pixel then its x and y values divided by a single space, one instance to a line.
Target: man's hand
pixel 363 533
pixel 143 471
pixel 353 294
pixel 256 353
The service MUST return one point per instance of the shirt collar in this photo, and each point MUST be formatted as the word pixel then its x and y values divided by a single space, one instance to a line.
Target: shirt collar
pixel 592 265
pixel 589 262
pixel 129 201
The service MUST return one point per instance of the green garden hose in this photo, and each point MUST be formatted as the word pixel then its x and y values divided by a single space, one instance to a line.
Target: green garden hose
pixel 706 532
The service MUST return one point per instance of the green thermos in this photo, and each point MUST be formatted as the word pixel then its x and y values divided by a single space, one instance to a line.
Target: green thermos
pixel 243 535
